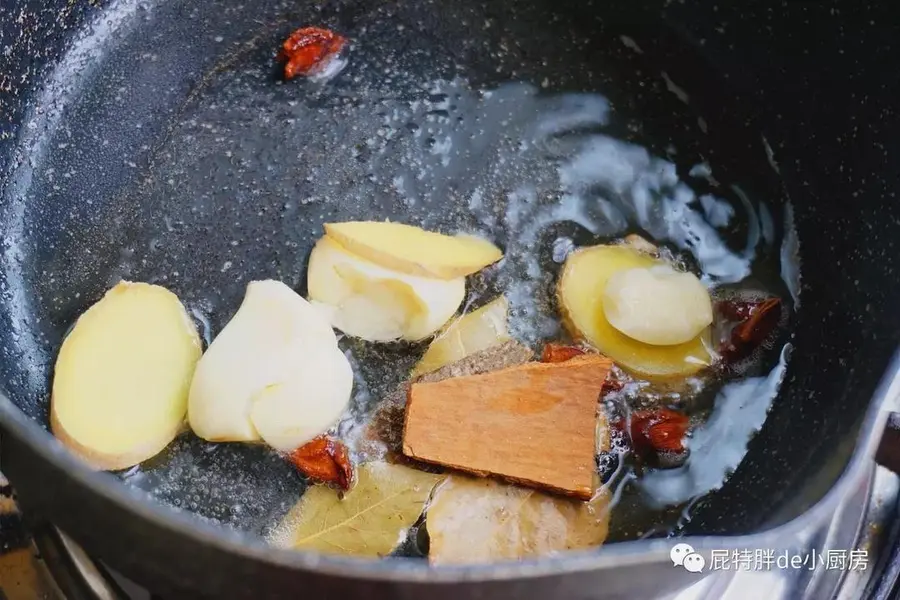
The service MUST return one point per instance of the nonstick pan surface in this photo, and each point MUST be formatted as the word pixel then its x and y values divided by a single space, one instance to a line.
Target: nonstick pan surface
pixel 166 148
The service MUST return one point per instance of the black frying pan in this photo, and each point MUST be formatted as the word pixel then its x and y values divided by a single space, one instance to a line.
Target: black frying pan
pixel 155 141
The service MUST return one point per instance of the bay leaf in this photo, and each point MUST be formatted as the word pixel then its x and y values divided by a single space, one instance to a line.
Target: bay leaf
pixel 369 520
pixel 481 520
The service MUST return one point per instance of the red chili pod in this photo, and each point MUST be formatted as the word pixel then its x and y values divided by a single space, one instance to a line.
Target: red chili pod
pixel 325 460
pixel 753 330
pixel 308 49
pixel 657 436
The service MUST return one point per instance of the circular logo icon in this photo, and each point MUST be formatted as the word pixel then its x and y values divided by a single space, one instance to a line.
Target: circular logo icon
pixel 694 562
pixel 678 553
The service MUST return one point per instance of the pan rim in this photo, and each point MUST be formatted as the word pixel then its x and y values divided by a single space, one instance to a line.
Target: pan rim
pixel 638 552
pixel 406 570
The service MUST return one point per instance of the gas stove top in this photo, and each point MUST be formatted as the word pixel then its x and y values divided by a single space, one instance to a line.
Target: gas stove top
pixel 37 561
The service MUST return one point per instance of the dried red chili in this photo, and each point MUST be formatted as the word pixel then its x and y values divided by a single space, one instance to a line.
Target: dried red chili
pixel 659 430
pixel 656 434
pixel 325 460
pixel 611 385
pixel 556 353
pixel 753 330
pixel 307 49
pixel 737 310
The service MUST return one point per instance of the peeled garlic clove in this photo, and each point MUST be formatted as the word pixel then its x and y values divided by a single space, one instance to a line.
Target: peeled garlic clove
pixel 658 306
pixel 278 351
pixel 378 310
pixel 375 303
pixel 291 413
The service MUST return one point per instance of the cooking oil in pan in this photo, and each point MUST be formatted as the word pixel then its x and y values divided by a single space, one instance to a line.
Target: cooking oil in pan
pixel 539 174
pixel 253 169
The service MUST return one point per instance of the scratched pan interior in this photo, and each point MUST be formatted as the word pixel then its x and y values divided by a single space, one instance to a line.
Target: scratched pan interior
pixel 171 152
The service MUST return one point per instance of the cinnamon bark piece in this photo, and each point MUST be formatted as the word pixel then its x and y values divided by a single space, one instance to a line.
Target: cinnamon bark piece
pixel 386 425
pixel 534 424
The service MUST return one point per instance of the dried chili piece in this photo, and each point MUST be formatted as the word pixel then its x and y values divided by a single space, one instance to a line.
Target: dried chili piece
pixel 325 460
pixel 308 49
pixel 611 385
pixel 737 310
pixel 753 330
pixel 556 353
pixel 659 430
pixel 657 436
